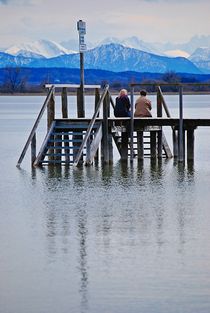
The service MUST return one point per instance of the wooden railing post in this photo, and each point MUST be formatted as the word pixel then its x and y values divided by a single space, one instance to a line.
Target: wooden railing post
pixel 105 129
pixel 50 119
pixel 33 149
pixel 64 99
pixel 132 125
pixel 181 131
pixel 159 114
pixel 80 103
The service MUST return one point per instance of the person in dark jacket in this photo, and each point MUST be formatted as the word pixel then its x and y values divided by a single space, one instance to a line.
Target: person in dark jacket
pixel 122 105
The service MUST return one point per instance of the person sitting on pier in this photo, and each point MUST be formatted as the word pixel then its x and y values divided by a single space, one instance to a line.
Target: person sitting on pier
pixel 122 105
pixel 143 105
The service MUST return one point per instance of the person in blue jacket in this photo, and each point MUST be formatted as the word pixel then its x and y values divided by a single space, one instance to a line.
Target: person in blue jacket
pixel 122 104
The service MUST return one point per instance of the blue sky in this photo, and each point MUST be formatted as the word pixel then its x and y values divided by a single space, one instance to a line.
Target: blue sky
pixel 150 20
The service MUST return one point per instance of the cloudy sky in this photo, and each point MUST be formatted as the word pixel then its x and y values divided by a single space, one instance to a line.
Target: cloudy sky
pixel 150 20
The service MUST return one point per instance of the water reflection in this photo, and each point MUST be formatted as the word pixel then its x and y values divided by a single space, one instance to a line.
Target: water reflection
pixel 125 212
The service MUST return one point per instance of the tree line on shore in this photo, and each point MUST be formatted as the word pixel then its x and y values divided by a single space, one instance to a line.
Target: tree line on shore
pixel 28 80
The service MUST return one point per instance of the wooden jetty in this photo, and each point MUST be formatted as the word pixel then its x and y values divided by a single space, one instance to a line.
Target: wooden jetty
pixel 84 140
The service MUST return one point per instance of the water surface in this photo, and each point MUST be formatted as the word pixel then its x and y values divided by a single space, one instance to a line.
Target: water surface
pixel 103 239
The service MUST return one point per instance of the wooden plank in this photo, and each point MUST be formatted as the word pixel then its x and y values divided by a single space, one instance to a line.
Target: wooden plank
pixel 105 130
pixel 71 86
pixel 124 146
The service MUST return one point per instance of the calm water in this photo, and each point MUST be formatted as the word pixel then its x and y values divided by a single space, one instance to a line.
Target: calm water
pixel 111 240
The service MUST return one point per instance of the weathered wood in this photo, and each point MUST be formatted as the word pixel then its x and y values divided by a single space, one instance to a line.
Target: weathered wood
pixel 163 103
pixel 175 143
pixel 153 144
pixel 64 98
pixel 160 143
pixel 50 119
pixel 35 126
pixel 80 103
pixel 110 148
pixel 33 149
pixel 159 103
pixel 124 146
pixel 44 148
pixel 90 126
pixel 166 147
pixel 140 145
pixel 105 129
pixel 190 144
pixel 94 146
pixel 51 111
pixel 181 130
pixel 73 86
pixel 64 101
pixel 132 125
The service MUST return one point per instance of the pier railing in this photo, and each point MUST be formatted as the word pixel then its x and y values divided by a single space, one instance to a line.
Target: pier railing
pixel 178 141
pixel 49 105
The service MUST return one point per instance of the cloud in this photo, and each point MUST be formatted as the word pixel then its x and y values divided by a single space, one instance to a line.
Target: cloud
pixel 4 1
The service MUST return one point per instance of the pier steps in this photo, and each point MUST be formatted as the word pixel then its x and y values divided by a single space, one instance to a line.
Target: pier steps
pixel 63 142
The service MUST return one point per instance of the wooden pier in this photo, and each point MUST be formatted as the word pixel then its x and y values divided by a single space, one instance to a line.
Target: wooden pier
pixel 84 140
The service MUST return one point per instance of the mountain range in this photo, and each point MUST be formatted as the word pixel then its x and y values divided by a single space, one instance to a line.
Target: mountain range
pixel 111 57
pixel 114 54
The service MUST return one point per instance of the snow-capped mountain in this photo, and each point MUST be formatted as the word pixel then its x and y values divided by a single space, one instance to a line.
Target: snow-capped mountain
pixel 111 57
pixel 44 48
pixel 201 58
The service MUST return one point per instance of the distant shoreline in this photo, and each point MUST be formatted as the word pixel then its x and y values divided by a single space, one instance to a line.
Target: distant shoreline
pixel 114 92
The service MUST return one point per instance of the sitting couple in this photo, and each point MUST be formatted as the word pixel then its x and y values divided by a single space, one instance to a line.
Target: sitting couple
pixel 122 108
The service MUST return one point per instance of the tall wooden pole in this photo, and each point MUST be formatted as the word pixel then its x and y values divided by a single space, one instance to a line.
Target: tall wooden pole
pixel 181 142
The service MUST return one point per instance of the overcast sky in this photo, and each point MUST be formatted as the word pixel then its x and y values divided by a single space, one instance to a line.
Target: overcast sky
pixel 150 20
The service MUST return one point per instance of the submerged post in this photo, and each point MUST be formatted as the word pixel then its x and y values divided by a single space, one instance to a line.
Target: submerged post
pixel 181 131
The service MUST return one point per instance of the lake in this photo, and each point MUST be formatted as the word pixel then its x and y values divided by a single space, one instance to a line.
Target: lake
pixel 115 239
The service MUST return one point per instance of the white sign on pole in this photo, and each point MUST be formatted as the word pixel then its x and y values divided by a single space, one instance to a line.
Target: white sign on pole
pixel 82 47
pixel 81 27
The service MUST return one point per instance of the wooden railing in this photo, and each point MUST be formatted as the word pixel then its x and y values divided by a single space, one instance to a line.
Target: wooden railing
pixel 49 104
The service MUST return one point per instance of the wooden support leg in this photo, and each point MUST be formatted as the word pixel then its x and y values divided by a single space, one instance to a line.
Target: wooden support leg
pixel 153 144
pixel 110 147
pixel 140 145
pixel 190 144
pixel 33 149
pixel 160 144
pixel 124 147
pixel 175 143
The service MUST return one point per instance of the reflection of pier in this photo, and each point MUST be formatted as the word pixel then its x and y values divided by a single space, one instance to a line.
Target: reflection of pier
pixel 78 140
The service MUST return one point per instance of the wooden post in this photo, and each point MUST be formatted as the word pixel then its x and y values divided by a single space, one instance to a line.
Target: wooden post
pixel 190 144
pixel 140 145
pixel 175 143
pixel 64 99
pixel 50 119
pixel 51 110
pixel 80 103
pixel 33 149
pixel 105 130
pixel 181 144
pixel 97 98
pixel 124 146
pixel 153 144
pixel 159 104
pixel 159 114
pixel 160 143
pixel 132 126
